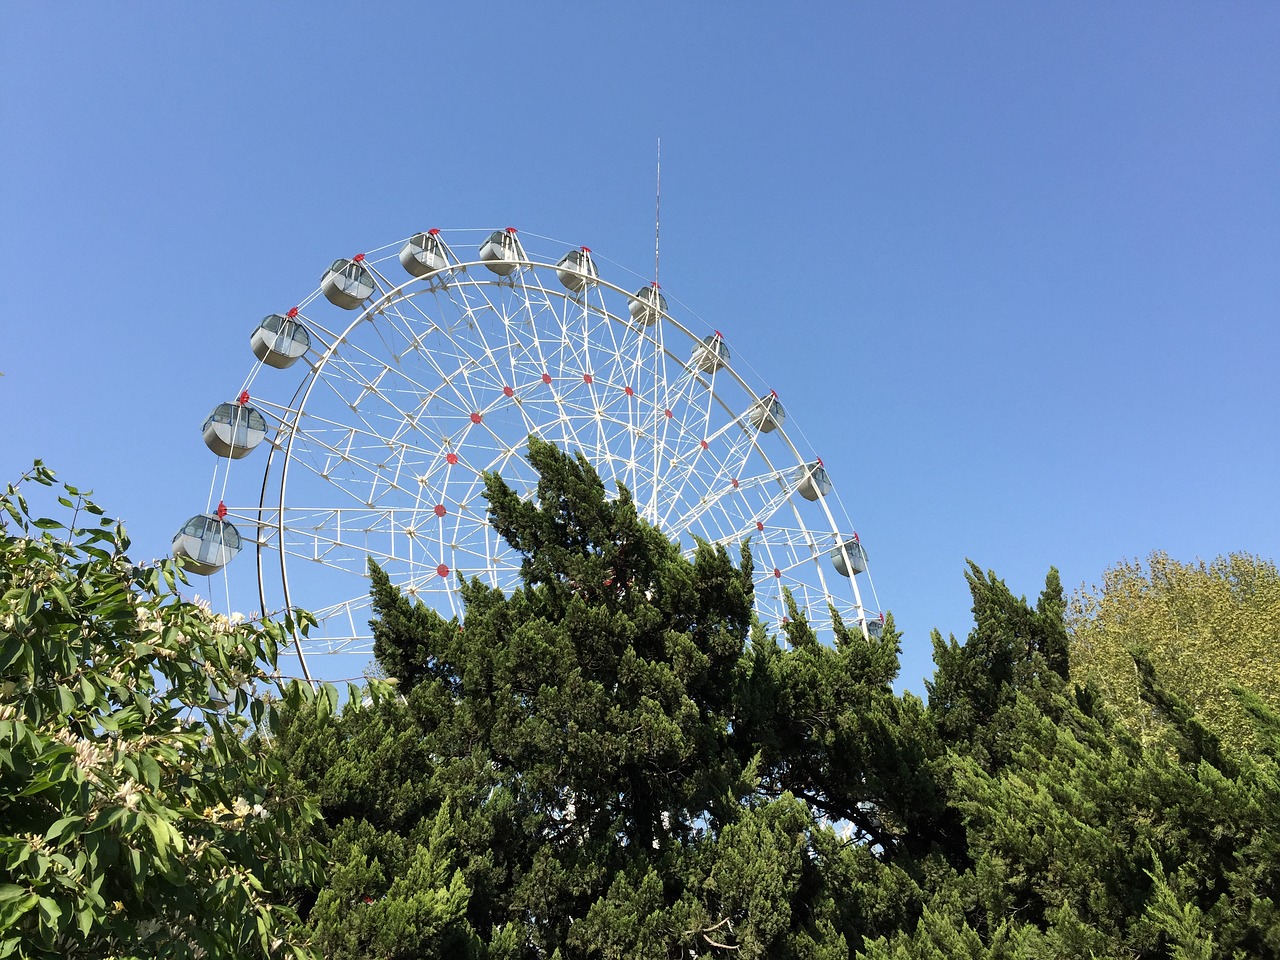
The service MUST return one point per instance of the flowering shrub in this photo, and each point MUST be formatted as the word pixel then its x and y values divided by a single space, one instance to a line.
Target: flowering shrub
pixel 140 818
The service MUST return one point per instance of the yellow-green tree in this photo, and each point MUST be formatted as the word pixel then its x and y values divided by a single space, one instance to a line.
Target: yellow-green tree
pixel 1205 627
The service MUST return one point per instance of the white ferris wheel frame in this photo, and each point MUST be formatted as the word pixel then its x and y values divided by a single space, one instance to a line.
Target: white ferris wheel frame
pixel 810 550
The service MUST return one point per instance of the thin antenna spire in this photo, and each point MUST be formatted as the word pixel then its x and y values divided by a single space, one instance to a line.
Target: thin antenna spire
pixel 657 214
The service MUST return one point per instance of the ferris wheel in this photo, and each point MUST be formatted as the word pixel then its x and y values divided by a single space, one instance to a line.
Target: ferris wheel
pixel 383 398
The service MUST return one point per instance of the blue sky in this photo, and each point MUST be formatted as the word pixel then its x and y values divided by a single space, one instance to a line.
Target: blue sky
pixel 1014 268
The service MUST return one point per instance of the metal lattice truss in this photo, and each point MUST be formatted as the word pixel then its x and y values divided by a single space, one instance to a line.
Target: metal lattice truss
pixel 381 447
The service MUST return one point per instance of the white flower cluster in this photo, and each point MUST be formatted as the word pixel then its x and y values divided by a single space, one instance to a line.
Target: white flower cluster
pixel 148 619
pixel 242 809
pixel 129 793
pixel 89 757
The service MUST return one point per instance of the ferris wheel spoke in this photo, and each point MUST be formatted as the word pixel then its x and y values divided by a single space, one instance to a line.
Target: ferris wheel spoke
pixel 677 420
pixel 421 415
pixel 537 303
pixel 704 462
pixel 344 377
pixel 515 368
pixel 743 509
pixel 512 319
pixel 327 337
pixel 339 623
pixel 733 459
pixel 327 536
pixel 529 355
pixel 348 470
pixel 440 379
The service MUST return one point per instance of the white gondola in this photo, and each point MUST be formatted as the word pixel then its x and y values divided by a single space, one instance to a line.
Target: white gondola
pixel 812 481
pixel 710 355
pixel 766 414
pixel 576 269
pixel 206 544
pixel 502 252
pixel 874 627
pixel 280 340
pixel 647 305
pixel 234 429
pixel 425 254
pixel 857 557
pixel 347 283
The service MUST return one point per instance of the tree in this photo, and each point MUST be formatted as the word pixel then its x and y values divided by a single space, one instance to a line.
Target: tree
pixel 138 819
pixel 615 761
pixel 1075 838
pixel 1205 628
pixel 608 761
pixel 1012 649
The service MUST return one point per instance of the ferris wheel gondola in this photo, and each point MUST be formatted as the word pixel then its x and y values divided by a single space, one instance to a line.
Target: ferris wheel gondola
pixel 378 447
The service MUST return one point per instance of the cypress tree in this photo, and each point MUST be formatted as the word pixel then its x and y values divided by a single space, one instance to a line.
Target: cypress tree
pixel 615 760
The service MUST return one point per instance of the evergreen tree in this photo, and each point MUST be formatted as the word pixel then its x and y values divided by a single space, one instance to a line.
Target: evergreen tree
pixel 1012 648
pixel 614 761
pixel 603 756
pixel 1078 839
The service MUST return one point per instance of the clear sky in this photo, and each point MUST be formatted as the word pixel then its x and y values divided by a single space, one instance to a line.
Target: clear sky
pixel 1013 267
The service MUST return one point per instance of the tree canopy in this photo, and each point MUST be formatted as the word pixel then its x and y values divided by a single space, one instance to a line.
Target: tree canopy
pixel 615 760
pixel 137 819
pixel 1206 628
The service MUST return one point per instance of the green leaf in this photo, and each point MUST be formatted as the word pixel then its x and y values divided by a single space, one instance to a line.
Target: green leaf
pixel 49 912
pixel 15 909
pixel 56 830
pixel 136 863
pixel 66 701
pixel 150 770
pixel 60 596
pixel 326 702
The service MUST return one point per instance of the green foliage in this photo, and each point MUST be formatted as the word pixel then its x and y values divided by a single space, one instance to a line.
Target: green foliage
pixel 1013 648
pixel 1078 840
pixel 138 819
pixel 421 906
pixel 604 757
pixel 614 761
pixel 1204 628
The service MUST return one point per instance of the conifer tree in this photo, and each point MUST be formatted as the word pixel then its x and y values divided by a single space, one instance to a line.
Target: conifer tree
pixel 609 758
pixel 615 761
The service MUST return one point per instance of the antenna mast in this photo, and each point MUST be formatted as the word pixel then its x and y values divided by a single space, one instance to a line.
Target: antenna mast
pixel 657 213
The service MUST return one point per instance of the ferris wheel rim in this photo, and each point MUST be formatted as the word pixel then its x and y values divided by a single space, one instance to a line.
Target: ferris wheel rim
pixel 377 306
pixel 526 276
